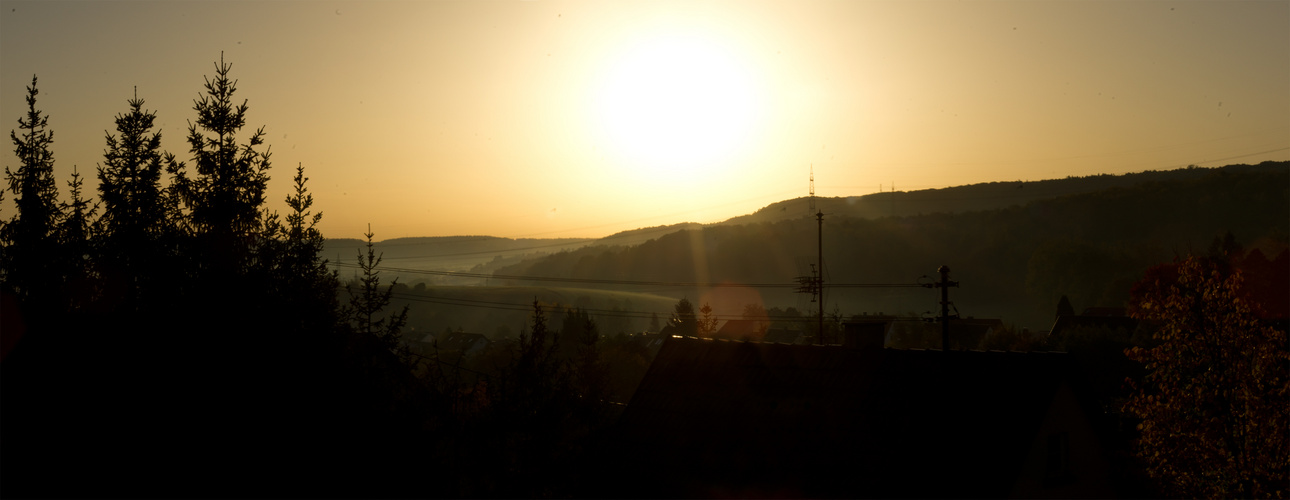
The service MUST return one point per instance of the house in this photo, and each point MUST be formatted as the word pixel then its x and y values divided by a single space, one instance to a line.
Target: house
pixel 1107 323
pixel 652 341
pixel 462 343
pixel 965 333
pixel 741 329
pixel 747 419
pixel 784 336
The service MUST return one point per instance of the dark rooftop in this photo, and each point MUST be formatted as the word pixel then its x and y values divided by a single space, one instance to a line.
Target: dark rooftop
pixel 716 417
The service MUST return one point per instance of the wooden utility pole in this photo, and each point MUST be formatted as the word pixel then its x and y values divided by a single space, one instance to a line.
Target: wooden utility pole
pixel 819 284
pixel 944 285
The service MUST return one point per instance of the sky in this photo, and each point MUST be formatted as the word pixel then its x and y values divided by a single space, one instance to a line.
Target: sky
pixel 551 119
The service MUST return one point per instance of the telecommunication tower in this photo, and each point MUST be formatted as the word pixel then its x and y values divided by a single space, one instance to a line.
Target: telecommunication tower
pixel 811 210
pixel 814 284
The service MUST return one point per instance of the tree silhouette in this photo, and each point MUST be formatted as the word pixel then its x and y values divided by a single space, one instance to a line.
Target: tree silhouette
pixel 74 248
pixel 367 302
pixel 210 326
pixel 1215 404
pixel 588 369
pixel 707 325
pixel 299 290
pixel 137 213
pixel 224 199
pixel 683 321
pixel 31 236
pixel 1064 307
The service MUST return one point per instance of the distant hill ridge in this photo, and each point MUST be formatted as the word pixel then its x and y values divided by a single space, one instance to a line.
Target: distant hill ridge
pixel 457 253
pixel 488 254
pixel 1088 238
pixel 982 196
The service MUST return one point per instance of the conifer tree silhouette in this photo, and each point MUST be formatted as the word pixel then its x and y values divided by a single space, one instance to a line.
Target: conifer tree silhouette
pixel 137 212
pixel 31 236
pixel 367 302
pixel 707 325
pixel 683 319
pixel 75 234
pixel 224 199
pixel 300 277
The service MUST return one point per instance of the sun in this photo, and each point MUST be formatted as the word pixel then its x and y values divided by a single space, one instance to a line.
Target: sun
pixel 677 104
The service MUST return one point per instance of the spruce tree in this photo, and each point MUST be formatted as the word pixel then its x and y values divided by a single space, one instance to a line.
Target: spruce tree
pixel 224 200
pixel 366 303
pixel 683 320
pixel 306 288
pixel 130 176
pixel 31 236
pixel 707 325
pixel 136 210
pixel 1064 307
pixel 75 256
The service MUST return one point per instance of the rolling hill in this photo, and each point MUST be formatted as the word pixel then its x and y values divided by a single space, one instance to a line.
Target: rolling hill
pixel 1014 261
pixel 1015 247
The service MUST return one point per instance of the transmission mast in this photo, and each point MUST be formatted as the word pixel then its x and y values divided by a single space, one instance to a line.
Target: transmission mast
pixel 812 209
pixel 814 284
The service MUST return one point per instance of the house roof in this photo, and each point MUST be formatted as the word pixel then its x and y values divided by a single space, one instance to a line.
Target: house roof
pixel 1124 325
pixel 1103 311
pixel 803 420
pixel 782 336
pixel 460 341
pixel 739 329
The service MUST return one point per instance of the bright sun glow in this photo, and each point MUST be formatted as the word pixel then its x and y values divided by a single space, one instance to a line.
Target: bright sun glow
pixel 677 105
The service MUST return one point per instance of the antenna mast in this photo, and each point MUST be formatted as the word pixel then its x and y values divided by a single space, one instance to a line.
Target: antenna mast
pixel 812 209
pixel 814 284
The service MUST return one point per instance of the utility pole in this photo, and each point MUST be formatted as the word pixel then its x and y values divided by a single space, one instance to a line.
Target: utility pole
pixel 814 284
pixel 944 285
pixel 819 280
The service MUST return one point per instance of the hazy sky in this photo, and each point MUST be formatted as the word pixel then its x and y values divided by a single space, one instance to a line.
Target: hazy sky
pixel 583 118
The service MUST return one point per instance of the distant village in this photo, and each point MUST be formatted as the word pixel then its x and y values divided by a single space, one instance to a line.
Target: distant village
pixel 881 407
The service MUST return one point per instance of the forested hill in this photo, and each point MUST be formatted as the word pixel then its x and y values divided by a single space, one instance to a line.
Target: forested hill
pixel 1013 262
pixel 976 197
pixel 453 253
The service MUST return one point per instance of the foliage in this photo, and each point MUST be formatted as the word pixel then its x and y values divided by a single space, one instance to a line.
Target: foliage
pixel 205 323
pixel 683 321
pixel 1014 261
pixel 138 222
pixel 1215 404
pixel 707 324
pixel 589 372
pixel 31 236
pixel 75 233
pixel 134 205
pixel 298 277
pixel 1064 308
pixel 367 302
pixel 224 199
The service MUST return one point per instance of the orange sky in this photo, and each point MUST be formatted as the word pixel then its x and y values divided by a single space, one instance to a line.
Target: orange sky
pixel 572 119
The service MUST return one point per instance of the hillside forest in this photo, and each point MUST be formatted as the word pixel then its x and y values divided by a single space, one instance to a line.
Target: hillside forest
pixel 167 333
pixel 1086 238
